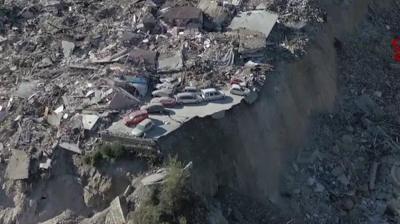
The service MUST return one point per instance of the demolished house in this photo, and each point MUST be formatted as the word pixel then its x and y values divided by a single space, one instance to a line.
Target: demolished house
pixel 251 44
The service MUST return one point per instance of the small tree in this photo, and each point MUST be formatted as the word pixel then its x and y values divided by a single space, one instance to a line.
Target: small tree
pixel 165 205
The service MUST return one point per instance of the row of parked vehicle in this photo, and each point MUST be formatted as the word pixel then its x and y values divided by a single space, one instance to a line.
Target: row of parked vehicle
pixel 162 100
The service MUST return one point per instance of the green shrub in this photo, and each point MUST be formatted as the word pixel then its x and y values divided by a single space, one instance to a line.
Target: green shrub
pixel 97 157
pixel 93 158
pixel 166 204
pixel 112 151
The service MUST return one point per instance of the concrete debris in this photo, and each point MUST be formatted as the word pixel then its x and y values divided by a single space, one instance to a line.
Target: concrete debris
pixel 116 213
pixel 54 119
pixel 140 57
pixel 172 63
pixel 257 20
pixel 70 147
pixel 71 72
pixel 68 48
pixel 219 16
pixel 123 100
pixel 154 178
pixel 26 89
pixel 184 17
pixel 18 166
pixel 89 121
pixel 46 165
pixel 59 109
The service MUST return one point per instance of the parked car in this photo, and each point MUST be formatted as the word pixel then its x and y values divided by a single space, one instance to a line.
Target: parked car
pixel 190 89
pixel 211 94
pixel 188 98
pixel 165 101
pixel 162 92
pixel 235 80
pixel 239 90
pixel 153 108
pixel 166 85
pixel 169 79
pixel 135 117
pixel 141 128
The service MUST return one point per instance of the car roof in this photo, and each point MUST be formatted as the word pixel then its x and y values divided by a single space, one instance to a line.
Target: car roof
pixel 145 122
pixel 138 112
pixel 190 88
pixel 208 90
pixel 185 94
pixel 151 104
pixel 165 98
pixel 236 86
pixel 164 90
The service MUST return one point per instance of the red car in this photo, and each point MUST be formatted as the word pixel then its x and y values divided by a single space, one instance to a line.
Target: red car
pixel 135 117
pixel 235 81
pixel 165 101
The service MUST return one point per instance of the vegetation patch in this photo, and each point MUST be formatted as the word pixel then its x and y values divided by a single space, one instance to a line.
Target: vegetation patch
pixel 107 151
pixel 169 202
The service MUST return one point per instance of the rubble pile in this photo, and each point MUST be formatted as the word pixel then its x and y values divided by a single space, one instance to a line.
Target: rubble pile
pixel 69 69
pixel 350 165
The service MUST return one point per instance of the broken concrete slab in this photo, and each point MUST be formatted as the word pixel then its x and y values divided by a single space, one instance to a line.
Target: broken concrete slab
pixel 257 20
pixel 70 147
pixel 251 43
pixel 218 14
pixel 45 62
pixel 18 166
pixel 54 119
pixel 26 89
pixel 155 178
pixel 46 165
pixel 143 57
pixel 68 48
pixel 116 212
pixel 184 17
pixel 123 100
pixel 89 121
pixel 172 63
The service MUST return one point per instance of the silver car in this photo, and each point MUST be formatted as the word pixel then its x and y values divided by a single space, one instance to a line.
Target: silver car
pixel 162 92
pixel 188 98
pixel 190 89
pixel 238 90
pixel 211 94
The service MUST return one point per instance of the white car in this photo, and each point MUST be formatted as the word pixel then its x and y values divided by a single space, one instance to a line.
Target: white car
pixel 142 128
pixel 211 94
pixel 162 92
pixel 188 98
pixel 239 90
pixel 190 89
pixel 166 85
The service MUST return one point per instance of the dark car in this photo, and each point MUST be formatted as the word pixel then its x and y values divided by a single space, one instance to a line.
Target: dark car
pixel 135 117
pixel 153 108
pixel 165 101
